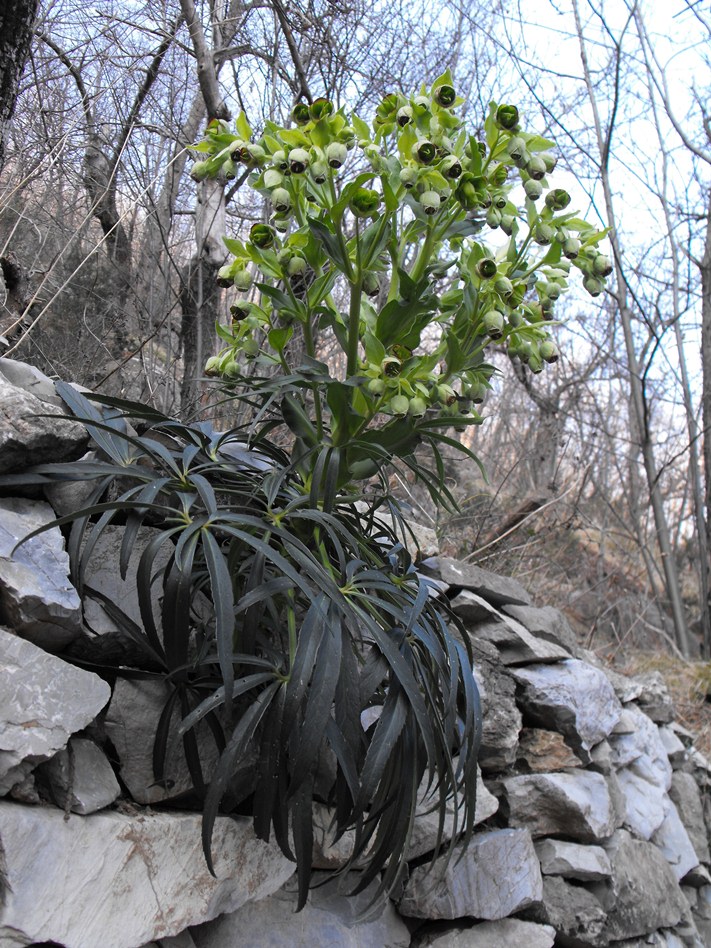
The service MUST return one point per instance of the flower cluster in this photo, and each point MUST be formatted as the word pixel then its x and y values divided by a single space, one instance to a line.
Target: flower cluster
pixel 394 217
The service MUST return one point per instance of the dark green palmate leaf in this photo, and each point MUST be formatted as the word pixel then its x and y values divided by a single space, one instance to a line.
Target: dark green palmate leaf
pixel 318 640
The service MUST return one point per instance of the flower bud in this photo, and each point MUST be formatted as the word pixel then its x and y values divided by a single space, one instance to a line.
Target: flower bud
pixel 498 175
pixel 493 217
pixel 319 171
pixel 493 323
pixel 486 268
pixel 515 319
pixel 390 367
pixel 347 136
pixel 549 351
pixel 445 394
pixel 417 407
pixel 273 178
pixel 320 108
pixel 300 113
pixel 543 234
pixel 535 363
pixel 256 154
pixel 404 116
pixel 602 265
pixel 250 347
pixel 549 160
pixel 212 366
pixel 336 154
pixel 553 290
pixel 547 305
pixel 571 247
pixel 261 236
pixel 445 96
pixel 408 178
pixel 557 199
pixel 506 224
pixel 477 392
pixel 533 189
pixel 364 203
pixel 500 201
pixel 593 285
pixel 430 202
pixel 371 283
pixel 467 195
pixel 424 152
pixel 298 160
pixel 200 170
pixel 281 199
pixel 239 311
pixel 296 266
pixel 225 276
pixel 421 104
pixel 376 386
pixel 484 199
pixel 399 404
pixel 237 147
pixel 387 109
pixel 451 167
pixel 280 160
pixel 536 168
pixel 242 279
pixel 517 149
pixel 504 287
pixel 507 116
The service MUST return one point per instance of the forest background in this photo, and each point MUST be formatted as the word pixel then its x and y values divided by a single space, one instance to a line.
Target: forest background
pixel 598 494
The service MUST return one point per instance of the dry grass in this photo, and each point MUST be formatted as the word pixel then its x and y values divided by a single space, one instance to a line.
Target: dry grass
pixel 689 684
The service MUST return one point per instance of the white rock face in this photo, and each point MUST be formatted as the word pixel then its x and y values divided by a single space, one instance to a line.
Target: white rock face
pixel 674 842
pixel 118 880
pixel 506 933
pixel 576 805
pixel 43 701
pixel 80 777
pixel 573 860
pixel 37 600
pixel 645 803
pixel 685 793
pixel 571 697
pixel 642 749
pixel 498 875
pixel 329 918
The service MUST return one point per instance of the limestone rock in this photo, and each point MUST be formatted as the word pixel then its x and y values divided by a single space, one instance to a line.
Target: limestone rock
pixel 131 722
pixel 25 437
pixel 501 717
pixel 642 895
pixel 496 876
pixel 571 697
pixel 576 805
pixel 506 933
pixel 573 912
pixel 654 698
pixel 80 778
pixel 684 791
pixel 513 641
pixel 330 917
pixel 642 749
pixel 37 716
pixel 676 751
pixel 645 803
pixel 148 877
pixel 66 497
pixel 545 623
pixel 673 840
pixel 37 600
pixel 498 590
pixel 541 751
pixel 573 860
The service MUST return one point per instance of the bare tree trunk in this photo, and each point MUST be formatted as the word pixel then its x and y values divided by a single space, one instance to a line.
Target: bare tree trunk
pixel 640 414
pixel 17 19
pixel 705 268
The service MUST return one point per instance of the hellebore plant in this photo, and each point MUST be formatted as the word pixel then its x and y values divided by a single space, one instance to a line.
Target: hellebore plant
pixel 324 656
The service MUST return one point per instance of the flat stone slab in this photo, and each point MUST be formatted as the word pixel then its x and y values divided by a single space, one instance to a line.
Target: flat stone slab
pixel 43 701
pixel 506 933
pixel 37 599
pixel 26 438
pixel 645 803
pixel 576 805
pixel 542 751
pixel 329 918
pixel 545 623
pixel 571 697
pixel 80 777
pixel 496 876
pixel 573 860
pixel 641 748
pixel 119 880
pixel 673 841
pixel 498 590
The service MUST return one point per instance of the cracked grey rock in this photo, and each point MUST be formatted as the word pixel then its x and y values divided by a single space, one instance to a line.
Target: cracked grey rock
pixel 685 793
pixel 576 805
pixel 496 876
pixel 644 803
pixel 36 716
pixel 80 778
pixel 506 933
pixel 37 600
pixel 501 717
pixel 573 912
pixel 571 697
pixel 498 590
pixel 545 623
pixel 573 860
pixel 673 841
pixel 641 749
pixel 147 877
pixel 514 643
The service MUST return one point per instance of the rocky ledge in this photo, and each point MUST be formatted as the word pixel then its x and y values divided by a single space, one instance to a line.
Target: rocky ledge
pixel 593 809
